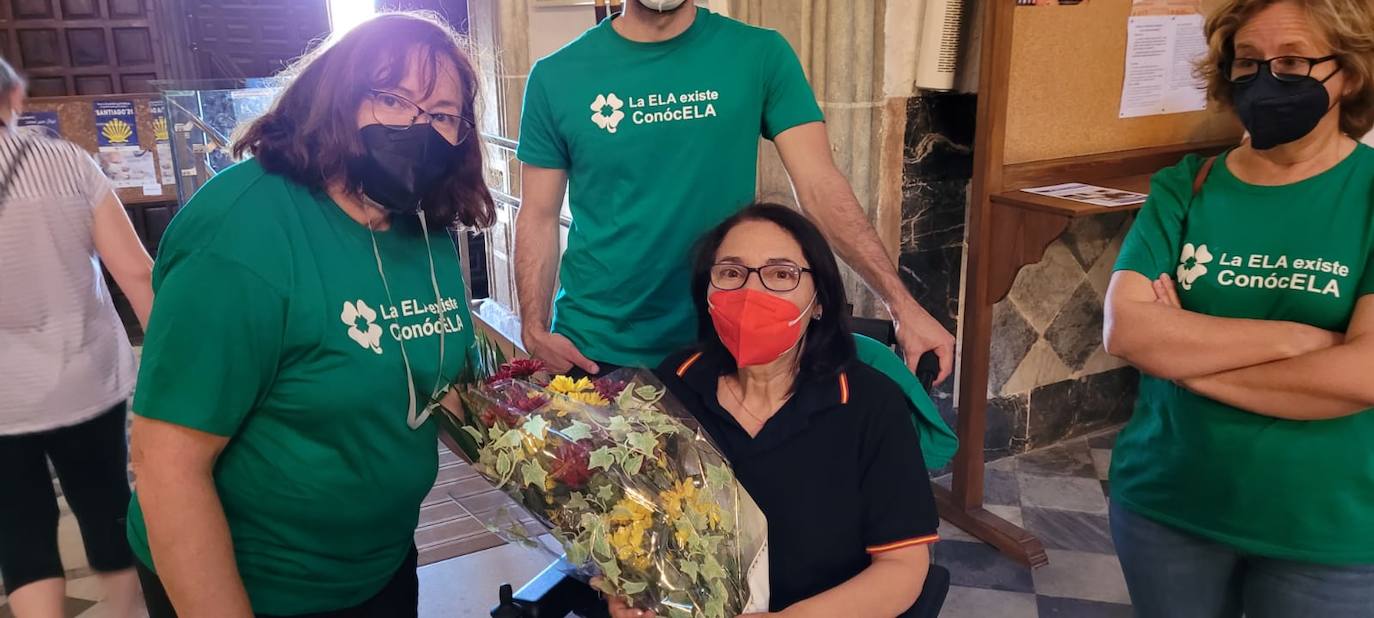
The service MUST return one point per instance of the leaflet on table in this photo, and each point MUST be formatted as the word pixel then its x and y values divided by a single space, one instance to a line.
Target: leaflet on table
pixel 1090 194
pixel 121 158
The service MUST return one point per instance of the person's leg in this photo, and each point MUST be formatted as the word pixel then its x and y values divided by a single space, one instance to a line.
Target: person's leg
pixel 154 595
pixel 92 461
pixel 1288 589
pixel 1173 574
pixel 30 564
pixel 401 596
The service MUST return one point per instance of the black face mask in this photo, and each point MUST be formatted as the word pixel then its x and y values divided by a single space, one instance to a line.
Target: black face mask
pixel 401 167
pixel 1277 112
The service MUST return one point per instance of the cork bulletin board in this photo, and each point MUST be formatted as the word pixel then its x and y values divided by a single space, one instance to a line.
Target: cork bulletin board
pixel 1064 90
pixel 76 122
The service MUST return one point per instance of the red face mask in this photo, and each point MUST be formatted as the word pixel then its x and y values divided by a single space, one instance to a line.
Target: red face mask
pixel 756 327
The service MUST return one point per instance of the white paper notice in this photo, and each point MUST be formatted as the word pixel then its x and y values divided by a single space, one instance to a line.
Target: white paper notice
pixel 1091 194
pixel 1160 56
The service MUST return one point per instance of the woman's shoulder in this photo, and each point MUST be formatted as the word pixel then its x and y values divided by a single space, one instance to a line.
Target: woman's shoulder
pixel 873 390
pixel 231 217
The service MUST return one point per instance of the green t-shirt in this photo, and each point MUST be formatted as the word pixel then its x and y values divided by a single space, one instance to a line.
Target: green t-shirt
pixel 938 441
pixel 273 327
pixel 1302 253
pixel 660 142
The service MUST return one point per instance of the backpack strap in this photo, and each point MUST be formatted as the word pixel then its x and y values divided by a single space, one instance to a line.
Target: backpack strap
pixel 1202 174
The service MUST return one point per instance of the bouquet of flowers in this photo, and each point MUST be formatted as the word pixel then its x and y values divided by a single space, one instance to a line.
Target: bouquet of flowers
pixel 626 482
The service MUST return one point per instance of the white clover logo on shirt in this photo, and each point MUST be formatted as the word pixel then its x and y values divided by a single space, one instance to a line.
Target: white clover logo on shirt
pixel 362 325
pixel 1192 264
pixel 606 111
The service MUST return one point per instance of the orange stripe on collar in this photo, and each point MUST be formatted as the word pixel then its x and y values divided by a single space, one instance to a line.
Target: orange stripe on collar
pixel 682 369
pixel 844 388
pixel 925 540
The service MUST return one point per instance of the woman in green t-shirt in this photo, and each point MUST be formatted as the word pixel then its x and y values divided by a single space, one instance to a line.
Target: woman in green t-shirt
pixel 309 304
pixel 1244 482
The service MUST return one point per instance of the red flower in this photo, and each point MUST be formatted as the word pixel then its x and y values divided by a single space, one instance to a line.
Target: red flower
pixel 570 464
pixel 497 412
pixel 518 369
pixel 609 389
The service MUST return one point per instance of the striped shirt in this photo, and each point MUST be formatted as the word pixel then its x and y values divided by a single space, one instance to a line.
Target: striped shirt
pixel 64 355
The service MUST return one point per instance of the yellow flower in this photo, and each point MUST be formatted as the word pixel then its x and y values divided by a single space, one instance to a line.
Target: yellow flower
pixel 564 385
pixel 630 522
pixel 592 398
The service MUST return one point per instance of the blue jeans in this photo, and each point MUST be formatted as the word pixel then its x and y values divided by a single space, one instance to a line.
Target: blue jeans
pixel 1174 574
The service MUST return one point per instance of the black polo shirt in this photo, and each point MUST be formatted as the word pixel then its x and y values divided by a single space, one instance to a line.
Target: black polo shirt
pixel 837 471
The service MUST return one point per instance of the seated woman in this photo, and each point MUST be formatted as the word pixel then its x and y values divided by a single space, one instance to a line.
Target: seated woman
pixel 1245 294
pixel 823 443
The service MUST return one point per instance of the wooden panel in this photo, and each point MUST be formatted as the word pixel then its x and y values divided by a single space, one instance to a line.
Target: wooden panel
pixel 32 9
pixel 48 86
pixel 133 46
pixel 87 47
pixel 80 9
pixel 137 82
pixel 124 9
pixel 94 84
pixel 1068 63
pixel 82 46
pixel 40 48
pixel 237 38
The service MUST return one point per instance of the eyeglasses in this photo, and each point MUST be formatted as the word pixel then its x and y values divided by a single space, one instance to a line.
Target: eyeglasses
pixel 774 277
pixel 1283 68
pixel 394 111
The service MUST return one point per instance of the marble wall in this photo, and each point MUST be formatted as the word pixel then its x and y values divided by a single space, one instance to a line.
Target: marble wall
pixel 1049 377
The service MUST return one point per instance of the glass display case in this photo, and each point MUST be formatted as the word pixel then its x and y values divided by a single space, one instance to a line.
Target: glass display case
pixel 204 117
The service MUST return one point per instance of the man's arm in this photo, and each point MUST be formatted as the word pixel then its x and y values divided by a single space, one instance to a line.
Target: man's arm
pixel 1329 383
pixel 536 266
pixel 1166 341
pixel 826 196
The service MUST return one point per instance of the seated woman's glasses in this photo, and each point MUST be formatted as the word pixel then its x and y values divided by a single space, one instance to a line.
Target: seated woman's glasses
pixel 775 277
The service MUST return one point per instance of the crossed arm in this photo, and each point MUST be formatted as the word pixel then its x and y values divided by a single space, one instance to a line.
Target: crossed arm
pixel 1273 368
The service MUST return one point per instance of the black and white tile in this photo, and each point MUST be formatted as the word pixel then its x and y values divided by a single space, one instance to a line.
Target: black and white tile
pixel 1060 495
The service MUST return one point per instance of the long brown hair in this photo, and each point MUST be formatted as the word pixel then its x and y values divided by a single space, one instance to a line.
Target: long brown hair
pixel 311 133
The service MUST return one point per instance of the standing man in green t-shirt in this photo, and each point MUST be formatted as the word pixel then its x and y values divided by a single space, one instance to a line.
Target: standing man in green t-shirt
pixel 650 123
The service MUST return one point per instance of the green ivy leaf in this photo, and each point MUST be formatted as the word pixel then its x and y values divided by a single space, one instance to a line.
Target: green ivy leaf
pixel 606 493
pixel 602 547
pixel 476 435
pixel 647 393
pixel 511 439
pixel 503 465
pixel 533 474
pixel 577 553
pixel 633 588
pixel 610 570
pixel 578 502
pixel 715 607
pixel 537 427
pixel 602 458
pixel 711 568
pixel 633 464
pixel 690 569
pixel 578 430
pixel 720 477
pixel 495 434
pixel 620 425
pixel 643 442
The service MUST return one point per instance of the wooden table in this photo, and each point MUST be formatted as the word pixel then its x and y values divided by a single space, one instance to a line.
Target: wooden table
pixel 1023 225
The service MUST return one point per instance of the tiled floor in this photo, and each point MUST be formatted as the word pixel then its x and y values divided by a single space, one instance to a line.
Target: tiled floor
pixel 1059 494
